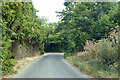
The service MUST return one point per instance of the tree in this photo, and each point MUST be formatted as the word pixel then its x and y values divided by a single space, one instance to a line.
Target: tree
pixel 87 20
pixel 19 22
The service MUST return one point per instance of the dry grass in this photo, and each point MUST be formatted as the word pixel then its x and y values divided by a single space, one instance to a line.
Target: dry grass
pixel 20 64
pixel 90 70
pixel 99 59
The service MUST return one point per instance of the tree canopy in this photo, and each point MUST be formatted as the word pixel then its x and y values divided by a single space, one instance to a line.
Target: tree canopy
pixel 84 21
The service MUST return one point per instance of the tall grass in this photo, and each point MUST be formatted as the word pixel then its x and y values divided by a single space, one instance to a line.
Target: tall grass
pixel 103 54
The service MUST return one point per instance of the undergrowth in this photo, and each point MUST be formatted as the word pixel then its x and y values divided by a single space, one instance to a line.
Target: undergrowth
pixel 100 58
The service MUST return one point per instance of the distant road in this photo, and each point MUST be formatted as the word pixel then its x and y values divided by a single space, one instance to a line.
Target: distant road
pixel 50 66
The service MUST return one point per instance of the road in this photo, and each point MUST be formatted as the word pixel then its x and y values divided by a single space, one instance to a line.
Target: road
pixel 50 66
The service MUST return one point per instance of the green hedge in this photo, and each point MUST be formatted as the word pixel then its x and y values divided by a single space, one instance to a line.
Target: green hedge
pixel 19 22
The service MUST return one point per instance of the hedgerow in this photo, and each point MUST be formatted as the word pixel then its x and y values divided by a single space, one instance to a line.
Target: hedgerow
pixel 19 22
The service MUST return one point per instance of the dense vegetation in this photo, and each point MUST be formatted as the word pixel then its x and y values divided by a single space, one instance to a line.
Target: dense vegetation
pixel 80 22
pixel 91 29
pixel 99 59
pixel 19 22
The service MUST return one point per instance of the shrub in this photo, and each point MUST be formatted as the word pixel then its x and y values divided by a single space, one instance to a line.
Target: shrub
pixel 103 53
pixel 21 27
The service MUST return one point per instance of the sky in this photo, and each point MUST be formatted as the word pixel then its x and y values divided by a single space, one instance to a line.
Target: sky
pixel 47 8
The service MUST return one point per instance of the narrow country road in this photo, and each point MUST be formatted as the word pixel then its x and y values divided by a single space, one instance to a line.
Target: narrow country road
pixel 50 66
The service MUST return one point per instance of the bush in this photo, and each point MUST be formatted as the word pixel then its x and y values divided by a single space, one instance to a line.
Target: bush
pixel 21 27
pixel 103 53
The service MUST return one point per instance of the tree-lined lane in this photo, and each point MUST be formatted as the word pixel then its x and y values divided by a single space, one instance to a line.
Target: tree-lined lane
pixel 50 66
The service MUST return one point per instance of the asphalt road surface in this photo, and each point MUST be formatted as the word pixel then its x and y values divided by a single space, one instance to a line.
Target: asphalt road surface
pixel 50 66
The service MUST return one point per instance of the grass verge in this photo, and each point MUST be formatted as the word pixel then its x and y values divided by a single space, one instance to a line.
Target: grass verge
pixel 90 69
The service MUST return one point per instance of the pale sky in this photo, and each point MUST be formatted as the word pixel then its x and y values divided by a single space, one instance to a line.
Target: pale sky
pixel 47 8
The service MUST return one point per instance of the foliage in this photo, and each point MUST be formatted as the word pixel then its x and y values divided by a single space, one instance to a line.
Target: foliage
pixel 86 21
pixel 57 40
pixel 53 40
pixel 103 53
pixel 99 59
pixel 79 22
pixel 19 22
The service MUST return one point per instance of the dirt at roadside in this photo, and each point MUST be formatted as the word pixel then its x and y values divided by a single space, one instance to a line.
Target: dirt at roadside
pixel 22 64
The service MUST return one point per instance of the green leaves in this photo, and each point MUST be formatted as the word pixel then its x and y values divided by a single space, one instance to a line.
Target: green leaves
pixel 20 23
pixel 87 20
